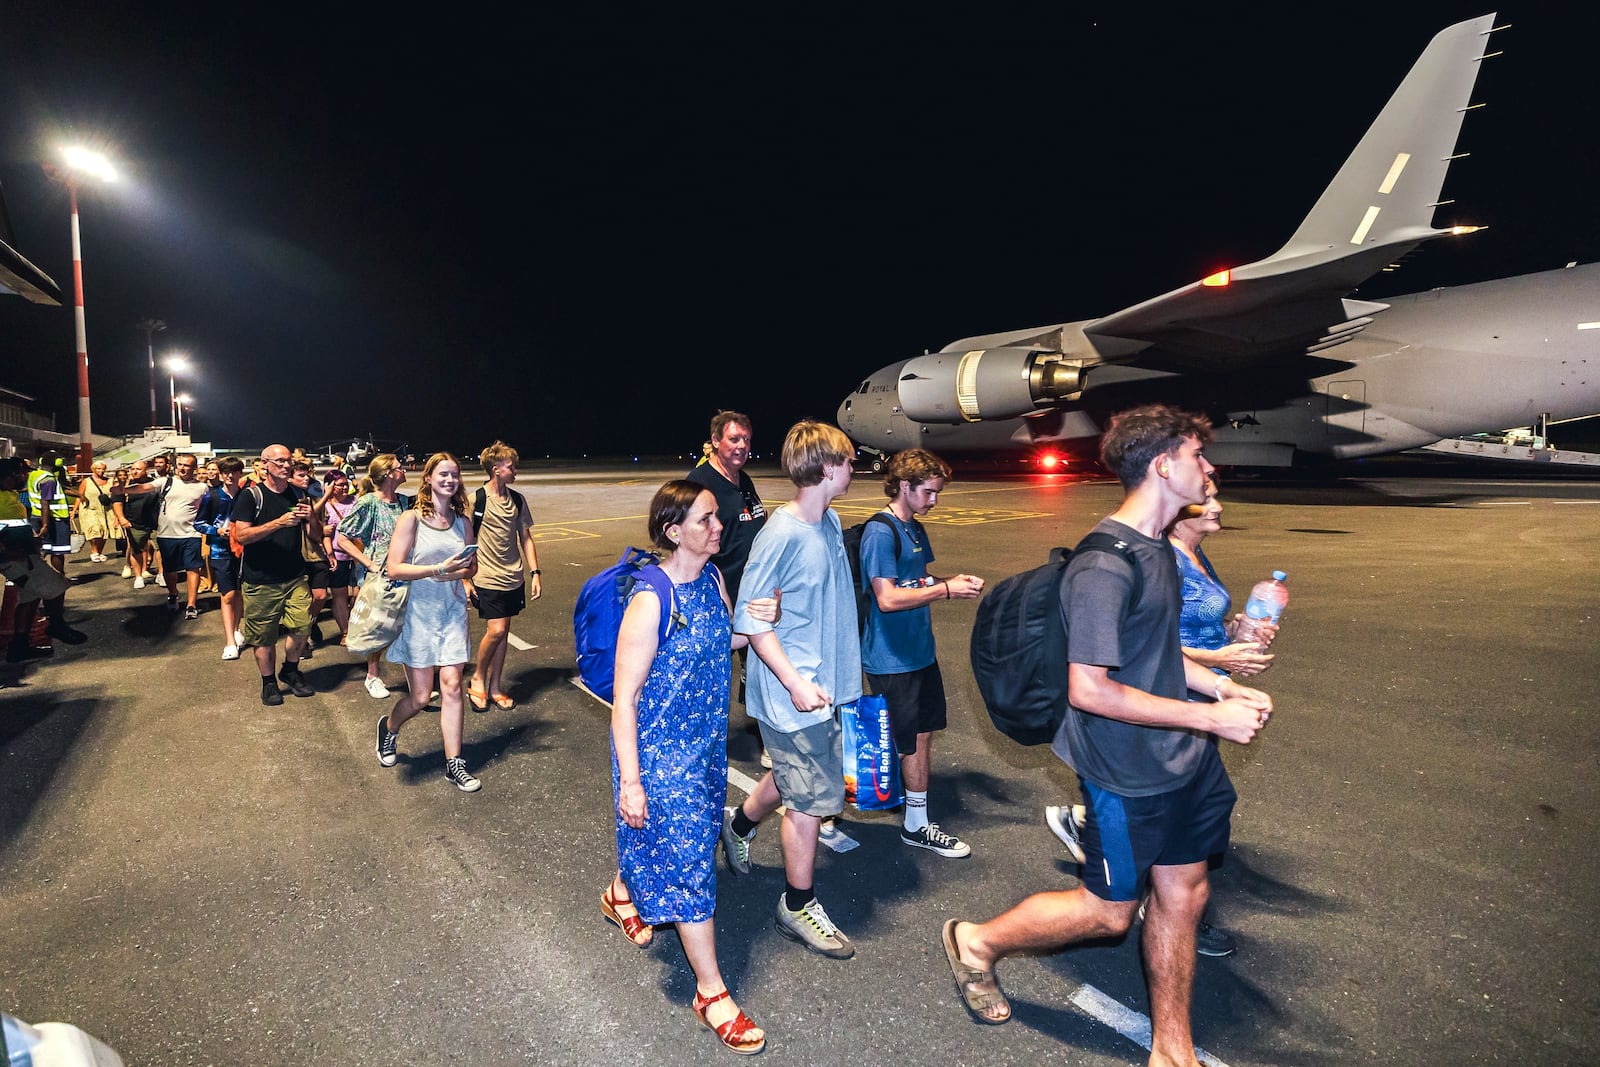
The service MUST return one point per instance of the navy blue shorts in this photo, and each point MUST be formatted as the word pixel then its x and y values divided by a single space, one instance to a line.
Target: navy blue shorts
pixel 225 572
pixel 179 554
pixel 1125 836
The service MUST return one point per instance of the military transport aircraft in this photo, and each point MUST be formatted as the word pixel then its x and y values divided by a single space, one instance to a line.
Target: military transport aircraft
pixel 1277 352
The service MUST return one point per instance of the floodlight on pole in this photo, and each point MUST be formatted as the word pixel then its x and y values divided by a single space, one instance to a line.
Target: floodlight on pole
pixel 151 327
pixel 176 365
pixel 81 163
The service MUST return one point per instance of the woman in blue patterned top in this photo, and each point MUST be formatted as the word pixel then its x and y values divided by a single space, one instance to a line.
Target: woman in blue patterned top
pixel 1205 628
pixel 669 757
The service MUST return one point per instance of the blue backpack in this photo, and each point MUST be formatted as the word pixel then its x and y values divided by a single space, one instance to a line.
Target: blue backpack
pixel 597 616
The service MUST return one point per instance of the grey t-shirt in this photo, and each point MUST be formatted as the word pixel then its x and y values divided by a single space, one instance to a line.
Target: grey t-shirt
pixel 818 626
pixel 1141 645
pixel 179 509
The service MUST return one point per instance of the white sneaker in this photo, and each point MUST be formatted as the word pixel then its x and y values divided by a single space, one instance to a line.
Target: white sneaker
pixel 161 579
pixel 147 576
pixel 230 652
pixel 376 689
pixel 127 571
pixel 138 583
pixel 766 759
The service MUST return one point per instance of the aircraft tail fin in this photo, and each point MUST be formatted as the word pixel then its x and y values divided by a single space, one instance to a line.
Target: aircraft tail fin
pixel 1387 190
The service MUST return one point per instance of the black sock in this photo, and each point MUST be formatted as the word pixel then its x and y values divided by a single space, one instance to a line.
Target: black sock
pixel 290 666
pixel 795 899
pixel 742 824
pixel 268 681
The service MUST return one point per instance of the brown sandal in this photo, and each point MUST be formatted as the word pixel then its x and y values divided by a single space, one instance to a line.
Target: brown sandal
pixel 631 926
pixel 967 978
pixel 735 1033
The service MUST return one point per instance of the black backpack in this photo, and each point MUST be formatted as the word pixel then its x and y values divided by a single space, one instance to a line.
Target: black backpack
pixel 1019 643
pixel 852 549
pixel 480 503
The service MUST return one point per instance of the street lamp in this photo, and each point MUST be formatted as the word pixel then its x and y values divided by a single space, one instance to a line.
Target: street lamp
pixel 182 401
pixel 176 365
pixel 151 327
pixel 80 163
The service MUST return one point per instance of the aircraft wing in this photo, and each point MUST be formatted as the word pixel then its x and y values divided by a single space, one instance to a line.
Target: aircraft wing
pixel 1379 207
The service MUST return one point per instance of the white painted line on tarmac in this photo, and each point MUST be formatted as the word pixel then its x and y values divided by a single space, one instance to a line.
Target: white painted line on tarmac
pixel 1575 501
pixel 1133 1025
pixel 1504 503
pixel 839 841
pixel 517 642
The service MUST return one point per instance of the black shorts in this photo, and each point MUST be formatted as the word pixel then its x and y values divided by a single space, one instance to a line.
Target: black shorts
pixel 225 572
pixel 320 575
pixel 342 571
pixel 916 703
pixel 502 603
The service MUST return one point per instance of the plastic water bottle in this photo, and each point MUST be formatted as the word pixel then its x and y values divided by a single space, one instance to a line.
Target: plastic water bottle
pixel 1266 604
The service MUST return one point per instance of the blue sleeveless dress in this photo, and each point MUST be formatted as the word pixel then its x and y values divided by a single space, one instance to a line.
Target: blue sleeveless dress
pixel 669 866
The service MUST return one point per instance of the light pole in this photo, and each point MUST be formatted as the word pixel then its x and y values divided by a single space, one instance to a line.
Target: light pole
pixel 176 365
pixel 151 327
pixel 184 400
pixel 79 163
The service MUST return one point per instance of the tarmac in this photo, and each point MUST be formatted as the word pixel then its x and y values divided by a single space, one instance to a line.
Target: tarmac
pixel 197 879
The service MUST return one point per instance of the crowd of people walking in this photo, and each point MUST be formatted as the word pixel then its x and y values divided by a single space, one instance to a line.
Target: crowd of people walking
pixel 1150 688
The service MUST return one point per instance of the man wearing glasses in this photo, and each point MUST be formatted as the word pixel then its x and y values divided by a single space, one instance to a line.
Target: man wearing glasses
pixel 277 596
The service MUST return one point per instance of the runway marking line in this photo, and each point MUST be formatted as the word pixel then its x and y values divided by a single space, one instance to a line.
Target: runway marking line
pixel 1133 1025
pixel 517 642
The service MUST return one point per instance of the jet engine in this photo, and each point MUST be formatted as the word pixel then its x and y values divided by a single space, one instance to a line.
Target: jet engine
pixel 994 383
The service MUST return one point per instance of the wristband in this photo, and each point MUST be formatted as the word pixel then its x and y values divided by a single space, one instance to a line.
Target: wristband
pixel 1220 679
pixel 947 590
pixel 535 571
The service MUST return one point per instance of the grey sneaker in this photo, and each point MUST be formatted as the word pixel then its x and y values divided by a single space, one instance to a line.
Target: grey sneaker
pixel 812 928
pixel 1065 822
pixel 456 771
pixel 387 743
pixel 736 848
pixel 1208 940
pixel 934 839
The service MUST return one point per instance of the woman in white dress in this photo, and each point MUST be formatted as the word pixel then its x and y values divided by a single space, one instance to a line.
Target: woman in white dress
pixel 428 550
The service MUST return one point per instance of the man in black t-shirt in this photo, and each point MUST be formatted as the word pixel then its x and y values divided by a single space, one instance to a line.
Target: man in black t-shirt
pixel 268 521
pixel 739 507
pixel 1157 797
pixel 135 507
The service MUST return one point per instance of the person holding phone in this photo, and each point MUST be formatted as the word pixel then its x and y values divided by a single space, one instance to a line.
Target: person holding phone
pixel 433 548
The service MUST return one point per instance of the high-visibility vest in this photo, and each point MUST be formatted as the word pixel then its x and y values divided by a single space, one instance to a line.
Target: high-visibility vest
pixel 59 508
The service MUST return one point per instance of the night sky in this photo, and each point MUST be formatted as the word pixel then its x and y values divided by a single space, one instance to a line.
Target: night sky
pixel 585 232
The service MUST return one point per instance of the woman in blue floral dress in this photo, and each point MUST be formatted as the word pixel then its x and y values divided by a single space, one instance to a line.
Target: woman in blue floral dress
pixel 669 757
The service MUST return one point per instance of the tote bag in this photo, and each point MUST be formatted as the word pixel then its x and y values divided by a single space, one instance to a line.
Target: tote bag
pixel 377 615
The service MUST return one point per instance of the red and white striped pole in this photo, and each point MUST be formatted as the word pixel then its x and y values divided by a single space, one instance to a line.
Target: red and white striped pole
pixel 85 440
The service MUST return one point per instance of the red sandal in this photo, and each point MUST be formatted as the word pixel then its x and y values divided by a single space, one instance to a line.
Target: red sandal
pixel 631 926
pixel 735 1033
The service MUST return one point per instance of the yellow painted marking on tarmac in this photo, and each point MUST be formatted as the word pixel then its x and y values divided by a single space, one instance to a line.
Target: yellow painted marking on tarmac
pixel 947 516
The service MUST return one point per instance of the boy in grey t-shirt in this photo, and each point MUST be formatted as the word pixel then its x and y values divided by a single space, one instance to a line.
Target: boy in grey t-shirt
pixel 806 665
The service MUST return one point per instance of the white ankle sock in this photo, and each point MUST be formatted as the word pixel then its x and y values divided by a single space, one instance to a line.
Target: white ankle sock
pixel 916 810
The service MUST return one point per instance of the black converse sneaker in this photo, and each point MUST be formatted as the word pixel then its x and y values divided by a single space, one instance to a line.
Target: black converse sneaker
pixel 456 771
pixel 934 839
pixel 386 743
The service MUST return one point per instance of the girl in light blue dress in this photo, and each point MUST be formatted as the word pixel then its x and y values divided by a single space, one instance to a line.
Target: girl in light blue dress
pixel 428 551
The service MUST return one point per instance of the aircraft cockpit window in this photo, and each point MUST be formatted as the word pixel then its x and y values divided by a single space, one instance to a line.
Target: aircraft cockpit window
pixel 847 404
pixel 864 387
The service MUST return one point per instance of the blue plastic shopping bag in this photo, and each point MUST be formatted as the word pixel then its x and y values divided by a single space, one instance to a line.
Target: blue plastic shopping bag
pixel 871 764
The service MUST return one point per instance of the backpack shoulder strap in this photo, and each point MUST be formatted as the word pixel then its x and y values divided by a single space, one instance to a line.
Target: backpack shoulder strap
pixel 1100 541
pixel 656 578
pixel 480 501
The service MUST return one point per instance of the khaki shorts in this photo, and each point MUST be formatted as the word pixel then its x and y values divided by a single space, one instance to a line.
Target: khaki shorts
pixel 270 607
pixel 808 767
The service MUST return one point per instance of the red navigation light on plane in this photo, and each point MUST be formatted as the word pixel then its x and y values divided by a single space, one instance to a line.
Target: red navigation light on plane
pixel 1221 278
pixel 1051 461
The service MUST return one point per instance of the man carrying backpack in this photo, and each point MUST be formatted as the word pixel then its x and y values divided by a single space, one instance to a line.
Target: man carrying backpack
pixel 508 571
pixel 1158 799
pixel 897 650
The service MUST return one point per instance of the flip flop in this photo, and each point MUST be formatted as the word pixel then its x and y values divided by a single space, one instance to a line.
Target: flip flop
pixel 479 700
pixel 966 978
pixel 503 702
